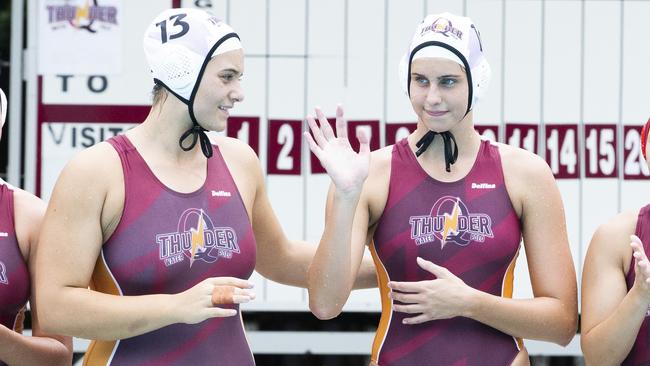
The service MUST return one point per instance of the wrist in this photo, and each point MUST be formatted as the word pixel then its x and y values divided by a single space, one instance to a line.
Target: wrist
pixel 347 194
pixel 474 299
pixel 640 296
pixel 171 311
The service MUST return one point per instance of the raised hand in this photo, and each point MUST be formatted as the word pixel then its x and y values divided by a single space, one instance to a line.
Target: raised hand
pixel 445 297
pixel 347 169
pixel 199 302
pixel 641 267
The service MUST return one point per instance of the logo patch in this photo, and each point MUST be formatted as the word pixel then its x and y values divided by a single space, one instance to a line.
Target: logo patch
pixel 3 234
pixel 221 194
pixel 81 15
pixel 450 222
pixel 3 274
pixel 483 186
pixel 444 27
pixel 197 239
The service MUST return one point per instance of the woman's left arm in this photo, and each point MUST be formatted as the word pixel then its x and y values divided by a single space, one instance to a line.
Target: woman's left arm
pixel 40 348
pixel 552 314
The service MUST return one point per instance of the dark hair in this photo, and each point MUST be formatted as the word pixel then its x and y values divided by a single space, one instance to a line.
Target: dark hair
pixel 158 94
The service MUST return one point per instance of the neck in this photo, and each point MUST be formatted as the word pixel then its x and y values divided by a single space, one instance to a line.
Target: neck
pixel 162 129
pixel 467 140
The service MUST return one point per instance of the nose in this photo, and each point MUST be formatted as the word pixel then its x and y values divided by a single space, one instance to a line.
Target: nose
pixel 433 95
pixel 237 94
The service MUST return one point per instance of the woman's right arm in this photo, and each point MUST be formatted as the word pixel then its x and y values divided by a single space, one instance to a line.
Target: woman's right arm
pixel 612 316
pixel 335 265
pixel 70 242
pixel 338 258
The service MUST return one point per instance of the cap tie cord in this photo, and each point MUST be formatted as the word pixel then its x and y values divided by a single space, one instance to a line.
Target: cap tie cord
pixel 196 133
pixel 451 150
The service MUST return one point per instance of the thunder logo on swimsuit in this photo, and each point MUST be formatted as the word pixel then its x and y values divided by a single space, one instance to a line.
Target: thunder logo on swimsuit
pixel 3 274
pixel 450 221
pixel 197 239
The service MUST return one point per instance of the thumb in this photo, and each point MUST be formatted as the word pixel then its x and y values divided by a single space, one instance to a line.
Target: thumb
pixel 436 270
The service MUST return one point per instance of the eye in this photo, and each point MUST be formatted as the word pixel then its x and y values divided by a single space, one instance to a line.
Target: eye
pixel 421 80
pixel 448 82
pixel 228 77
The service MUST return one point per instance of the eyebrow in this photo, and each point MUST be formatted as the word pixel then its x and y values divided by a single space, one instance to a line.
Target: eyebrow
pixel 439 77
pixel 448 76
pixel 230 69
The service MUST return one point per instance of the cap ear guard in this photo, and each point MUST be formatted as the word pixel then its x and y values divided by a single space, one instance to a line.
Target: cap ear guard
pixel 3 108
pixel 481 75
pixel 644 139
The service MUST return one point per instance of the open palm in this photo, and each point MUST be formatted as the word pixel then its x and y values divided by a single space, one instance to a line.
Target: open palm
pixel 347 168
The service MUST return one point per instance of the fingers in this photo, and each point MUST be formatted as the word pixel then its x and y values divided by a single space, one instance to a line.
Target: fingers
pixel 341 123
pixel 313 146
pixel 643 268
pixel 316 131
pixel 412 287
pixel 364 142
pixel 220 313
pixel 416 319
pixel 405 298
pixel 325 127
pixel 230 281
pixel 637 246
pixel 223 295
pixel 436 270
pixel 408 309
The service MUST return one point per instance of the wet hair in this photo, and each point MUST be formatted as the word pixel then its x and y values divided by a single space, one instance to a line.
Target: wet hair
pixel 159 94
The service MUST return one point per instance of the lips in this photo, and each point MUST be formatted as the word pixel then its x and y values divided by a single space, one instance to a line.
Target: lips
pixel 436 113
pixel 225 110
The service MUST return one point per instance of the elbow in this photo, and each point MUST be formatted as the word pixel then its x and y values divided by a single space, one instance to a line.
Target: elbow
pixel 565 339
pixel 568 331
pixel 591 357
pixel 322 310
pixel 324 313
pixel 64 358
pixel 47 325
pixel 48 319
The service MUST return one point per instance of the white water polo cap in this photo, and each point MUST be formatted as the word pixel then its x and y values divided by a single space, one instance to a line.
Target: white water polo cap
pixel 178 45
pixel 3 109
pixel 454 38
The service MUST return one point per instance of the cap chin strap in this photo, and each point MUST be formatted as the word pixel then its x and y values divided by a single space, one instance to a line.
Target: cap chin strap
pixel 196 132
pixel 451 152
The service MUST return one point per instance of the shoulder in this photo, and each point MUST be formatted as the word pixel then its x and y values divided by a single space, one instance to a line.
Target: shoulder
pixel 380 160
pixel 624 222
pixel 522 163
pixel 375 189
pixel 93 160
pixel 27 205
pixel 28 216
pixel 92 167
pixel 87 179
pixel 611 239
pixel 244 167
pixel 235 151
pixel 528 178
